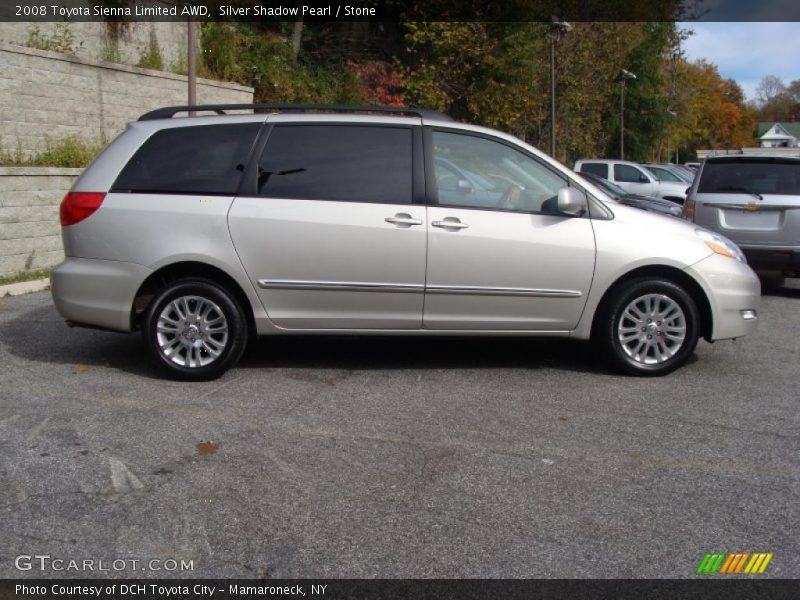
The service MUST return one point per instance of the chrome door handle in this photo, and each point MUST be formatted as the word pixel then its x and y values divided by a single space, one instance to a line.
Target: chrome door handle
pixel 403 219
pixel 450 223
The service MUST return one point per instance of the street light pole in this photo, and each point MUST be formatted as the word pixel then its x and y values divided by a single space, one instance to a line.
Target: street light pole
pixel 622 119
pixel 623 77
pixel 191 60
pixel 557 29
pixel 553 96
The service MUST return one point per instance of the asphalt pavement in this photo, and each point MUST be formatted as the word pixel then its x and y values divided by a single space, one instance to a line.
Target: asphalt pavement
pixel 395 457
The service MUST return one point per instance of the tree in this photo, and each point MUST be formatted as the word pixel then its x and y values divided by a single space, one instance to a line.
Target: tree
pixel 711 111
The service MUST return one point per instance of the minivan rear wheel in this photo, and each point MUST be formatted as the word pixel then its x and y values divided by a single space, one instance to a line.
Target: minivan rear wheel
pixel 649 327
pixel 194 330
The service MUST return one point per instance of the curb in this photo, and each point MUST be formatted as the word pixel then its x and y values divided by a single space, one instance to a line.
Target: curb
pixel 24 287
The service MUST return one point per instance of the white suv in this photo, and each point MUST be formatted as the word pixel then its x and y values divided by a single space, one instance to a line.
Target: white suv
pixel 634 178
pixel 205 231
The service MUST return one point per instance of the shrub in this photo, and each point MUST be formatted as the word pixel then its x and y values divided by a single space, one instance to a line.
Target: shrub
pixel 68 152
pixel 151 56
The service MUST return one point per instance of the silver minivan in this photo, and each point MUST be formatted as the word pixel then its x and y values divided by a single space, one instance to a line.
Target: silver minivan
pixel 204 231
pixel 754 201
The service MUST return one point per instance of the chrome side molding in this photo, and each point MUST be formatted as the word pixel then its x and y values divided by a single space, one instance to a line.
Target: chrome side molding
pixel 357 286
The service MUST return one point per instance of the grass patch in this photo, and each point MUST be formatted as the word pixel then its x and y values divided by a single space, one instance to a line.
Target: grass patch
pixel 25 276
pixel 68 152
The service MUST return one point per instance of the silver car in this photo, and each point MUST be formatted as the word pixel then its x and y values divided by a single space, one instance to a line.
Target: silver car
pixel 754 201
pixel 205 231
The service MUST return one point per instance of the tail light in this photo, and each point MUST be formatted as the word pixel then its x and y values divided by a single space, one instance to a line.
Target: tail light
pixel 76 206
pixel 688 209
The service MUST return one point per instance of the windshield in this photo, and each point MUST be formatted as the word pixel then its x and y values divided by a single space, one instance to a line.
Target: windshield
pixel 665 174
pixel 766 176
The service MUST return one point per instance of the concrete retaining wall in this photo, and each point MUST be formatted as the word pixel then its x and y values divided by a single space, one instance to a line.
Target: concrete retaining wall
pixel 30 234
pixel 52 95
pixel 91 40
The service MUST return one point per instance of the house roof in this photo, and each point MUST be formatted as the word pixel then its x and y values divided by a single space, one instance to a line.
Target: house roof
pixel 792 127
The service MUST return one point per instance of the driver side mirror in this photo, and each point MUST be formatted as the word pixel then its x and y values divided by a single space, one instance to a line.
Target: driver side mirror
pixel 572 202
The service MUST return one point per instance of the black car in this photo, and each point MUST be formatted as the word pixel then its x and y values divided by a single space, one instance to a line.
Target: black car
pixel 649 203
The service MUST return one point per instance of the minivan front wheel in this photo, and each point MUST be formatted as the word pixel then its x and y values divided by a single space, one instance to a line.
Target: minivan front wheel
pixel 650 327
pixel 194 330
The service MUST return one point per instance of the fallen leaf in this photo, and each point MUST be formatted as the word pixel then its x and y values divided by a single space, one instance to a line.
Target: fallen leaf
pixel 207 447
pixel 82 368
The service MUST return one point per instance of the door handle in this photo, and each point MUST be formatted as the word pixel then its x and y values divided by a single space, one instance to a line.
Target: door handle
pixel 403 220
pixel 450 223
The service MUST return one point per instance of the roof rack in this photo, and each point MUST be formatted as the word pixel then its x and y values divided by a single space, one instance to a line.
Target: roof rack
pixel 170 111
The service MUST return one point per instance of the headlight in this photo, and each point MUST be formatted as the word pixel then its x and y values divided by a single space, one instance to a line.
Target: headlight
pixel 721 245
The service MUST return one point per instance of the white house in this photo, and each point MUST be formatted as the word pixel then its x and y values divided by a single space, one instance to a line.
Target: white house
pixel 779 135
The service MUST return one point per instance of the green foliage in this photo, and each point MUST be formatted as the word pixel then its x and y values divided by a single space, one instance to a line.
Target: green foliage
pixel 247 54
pixel 111 52
pixel 25 276
pixel 68 152
pixel 61 40
pixel 181 64
pixel 151 55
pixel 646 106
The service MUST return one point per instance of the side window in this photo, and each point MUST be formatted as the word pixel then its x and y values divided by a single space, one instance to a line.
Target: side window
pixel 476 172
pixel 627 174
pixel 599 169
pixel 198 159
pixel 346 163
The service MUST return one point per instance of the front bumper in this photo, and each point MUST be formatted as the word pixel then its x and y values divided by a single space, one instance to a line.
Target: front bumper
pixel 98 293
pixel 734 293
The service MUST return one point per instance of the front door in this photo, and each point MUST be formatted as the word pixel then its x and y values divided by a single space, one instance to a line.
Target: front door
pixel 500 257
pixel 332 238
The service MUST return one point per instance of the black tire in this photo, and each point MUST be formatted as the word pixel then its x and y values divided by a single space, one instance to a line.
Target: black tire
pixel 661 354
pixel 194 346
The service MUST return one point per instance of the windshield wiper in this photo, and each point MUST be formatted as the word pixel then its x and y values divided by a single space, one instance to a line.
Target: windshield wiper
pixel 740 189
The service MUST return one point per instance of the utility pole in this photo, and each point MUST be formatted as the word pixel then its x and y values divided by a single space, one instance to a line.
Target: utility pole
pixel 191 54
pixel 557 29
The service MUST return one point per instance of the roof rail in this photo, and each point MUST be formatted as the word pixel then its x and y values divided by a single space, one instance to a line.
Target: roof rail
pixel 170 111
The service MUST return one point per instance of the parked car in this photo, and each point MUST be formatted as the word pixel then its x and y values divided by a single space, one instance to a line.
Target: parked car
pixel 755 201
pixel 683 171
pixel 670 174
pixel 633 178
pixel 204 231
pixel 694 166
pixel 665 207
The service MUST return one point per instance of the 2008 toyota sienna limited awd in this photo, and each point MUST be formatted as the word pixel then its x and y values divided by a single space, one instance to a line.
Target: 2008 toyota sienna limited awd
pixel 204 231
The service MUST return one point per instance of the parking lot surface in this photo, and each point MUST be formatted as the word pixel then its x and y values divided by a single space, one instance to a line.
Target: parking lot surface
pixel 391 457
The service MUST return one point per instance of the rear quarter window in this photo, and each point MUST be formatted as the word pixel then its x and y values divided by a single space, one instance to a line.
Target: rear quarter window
pixel 599 169
pixel 760 177
pixel 198 159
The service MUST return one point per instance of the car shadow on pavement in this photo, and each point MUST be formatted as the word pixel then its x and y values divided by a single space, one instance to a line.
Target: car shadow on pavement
pixel 39 335
pixel 783 288
pixel 417 352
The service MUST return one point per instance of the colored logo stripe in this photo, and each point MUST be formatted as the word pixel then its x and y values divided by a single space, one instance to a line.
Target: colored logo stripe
pixel 758 563
pixel 711 562
pixel 734 562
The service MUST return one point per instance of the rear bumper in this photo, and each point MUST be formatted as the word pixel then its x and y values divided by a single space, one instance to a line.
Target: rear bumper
pixel 773 259
pixel 732 289
pixel 99 293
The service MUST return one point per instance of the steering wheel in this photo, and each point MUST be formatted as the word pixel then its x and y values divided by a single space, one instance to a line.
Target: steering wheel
pixel 511 197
